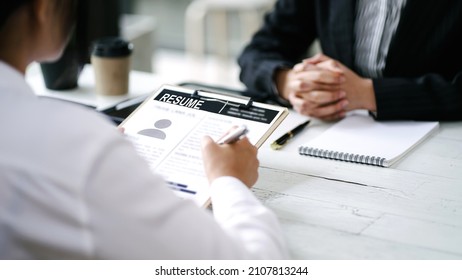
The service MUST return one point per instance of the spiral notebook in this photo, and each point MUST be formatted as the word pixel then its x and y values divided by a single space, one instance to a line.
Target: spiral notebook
pixel 359 138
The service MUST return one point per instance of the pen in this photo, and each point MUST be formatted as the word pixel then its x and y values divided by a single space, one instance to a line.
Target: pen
pixel 130 102
pixel 232 136
pixel 281 141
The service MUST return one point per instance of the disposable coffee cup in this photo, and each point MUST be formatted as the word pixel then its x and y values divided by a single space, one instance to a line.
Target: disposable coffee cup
pixel 110 58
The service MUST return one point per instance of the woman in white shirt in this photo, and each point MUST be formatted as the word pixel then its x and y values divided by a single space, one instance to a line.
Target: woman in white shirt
pixel 72 187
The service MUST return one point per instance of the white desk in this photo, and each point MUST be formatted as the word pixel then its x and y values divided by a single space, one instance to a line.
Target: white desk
pixel 336 210
pixel 140 83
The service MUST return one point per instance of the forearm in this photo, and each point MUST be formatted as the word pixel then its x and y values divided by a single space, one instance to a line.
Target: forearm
pixel 246 220
pixel 283 40
pixel 257 72
pixel 430 97
pixel 136 216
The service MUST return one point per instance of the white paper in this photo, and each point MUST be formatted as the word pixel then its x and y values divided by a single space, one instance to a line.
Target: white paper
pixel 360 134
pixel 169 137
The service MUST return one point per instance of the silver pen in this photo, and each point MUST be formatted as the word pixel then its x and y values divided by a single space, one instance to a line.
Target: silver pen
pixel 233 135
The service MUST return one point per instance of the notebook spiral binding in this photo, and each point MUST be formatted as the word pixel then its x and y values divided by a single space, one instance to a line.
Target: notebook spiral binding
pixel 307 151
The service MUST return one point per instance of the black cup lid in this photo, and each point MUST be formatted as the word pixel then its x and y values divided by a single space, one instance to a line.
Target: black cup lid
pixel 112 47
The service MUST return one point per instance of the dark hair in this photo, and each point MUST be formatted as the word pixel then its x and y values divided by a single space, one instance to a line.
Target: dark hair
pixel 8 7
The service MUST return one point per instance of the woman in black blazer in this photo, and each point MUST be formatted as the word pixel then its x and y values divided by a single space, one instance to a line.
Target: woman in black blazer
pixel 421 79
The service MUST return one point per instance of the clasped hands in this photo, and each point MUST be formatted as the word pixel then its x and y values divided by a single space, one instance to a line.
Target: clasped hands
pixel 323 88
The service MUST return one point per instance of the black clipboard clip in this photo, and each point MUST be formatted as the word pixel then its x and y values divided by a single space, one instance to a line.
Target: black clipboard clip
pixel 195 94
pixel 246 105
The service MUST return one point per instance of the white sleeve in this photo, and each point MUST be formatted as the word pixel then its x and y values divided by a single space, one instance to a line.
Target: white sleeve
pixel 246 220
pixel 132 214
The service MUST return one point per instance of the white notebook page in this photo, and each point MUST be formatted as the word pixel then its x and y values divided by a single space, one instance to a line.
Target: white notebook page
pixel 360 134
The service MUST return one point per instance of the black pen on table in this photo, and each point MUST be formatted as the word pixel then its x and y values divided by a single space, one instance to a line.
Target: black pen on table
pixel 281 141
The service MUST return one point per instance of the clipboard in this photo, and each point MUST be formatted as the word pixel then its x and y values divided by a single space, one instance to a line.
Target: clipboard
pixel 167 128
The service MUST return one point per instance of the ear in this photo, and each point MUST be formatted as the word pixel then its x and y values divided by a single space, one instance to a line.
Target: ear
pixel 41 10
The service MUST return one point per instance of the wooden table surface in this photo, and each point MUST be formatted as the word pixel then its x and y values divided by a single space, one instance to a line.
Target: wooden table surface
pixel 337 210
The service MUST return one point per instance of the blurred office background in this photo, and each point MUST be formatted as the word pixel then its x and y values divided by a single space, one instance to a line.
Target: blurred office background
pixel 198 40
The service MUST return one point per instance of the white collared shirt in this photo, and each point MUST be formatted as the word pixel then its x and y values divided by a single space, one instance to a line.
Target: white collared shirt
pixel 72 187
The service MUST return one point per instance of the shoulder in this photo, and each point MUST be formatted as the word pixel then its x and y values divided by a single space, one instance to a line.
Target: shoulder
pixel 55 134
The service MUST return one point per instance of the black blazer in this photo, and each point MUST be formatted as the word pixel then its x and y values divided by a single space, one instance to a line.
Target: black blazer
pixel 422 79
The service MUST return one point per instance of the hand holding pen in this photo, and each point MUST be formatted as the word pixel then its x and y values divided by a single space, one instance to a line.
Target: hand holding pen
pixel 234 134
pixel 238 159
